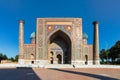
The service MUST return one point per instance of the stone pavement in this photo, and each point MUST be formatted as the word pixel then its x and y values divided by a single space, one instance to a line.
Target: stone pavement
pixel 79 74
pixel 17 74
pixel 60 74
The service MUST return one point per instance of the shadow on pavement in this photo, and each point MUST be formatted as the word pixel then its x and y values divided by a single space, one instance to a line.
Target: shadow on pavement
pixel 88 74
pixel 18 74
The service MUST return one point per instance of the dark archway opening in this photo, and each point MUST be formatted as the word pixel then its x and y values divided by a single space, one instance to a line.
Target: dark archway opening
pixel 62 43
pixel 86 59
pixel 32 62
pixel 59 58
pixel 51 61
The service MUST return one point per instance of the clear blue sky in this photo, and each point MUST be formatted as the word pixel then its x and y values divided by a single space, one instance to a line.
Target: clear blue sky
pixel 107 12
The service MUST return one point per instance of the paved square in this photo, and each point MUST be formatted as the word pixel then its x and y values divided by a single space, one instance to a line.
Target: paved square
pixel 60 74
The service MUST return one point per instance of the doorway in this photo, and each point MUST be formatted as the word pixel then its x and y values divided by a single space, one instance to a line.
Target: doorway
pixel 86 59
pixel 59 59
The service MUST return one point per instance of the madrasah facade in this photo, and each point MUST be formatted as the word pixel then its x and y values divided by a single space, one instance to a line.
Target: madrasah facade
pixel 59 41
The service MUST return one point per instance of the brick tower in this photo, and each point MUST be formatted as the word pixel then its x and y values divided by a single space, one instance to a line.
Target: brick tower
pixel 21 41
pixel 96 44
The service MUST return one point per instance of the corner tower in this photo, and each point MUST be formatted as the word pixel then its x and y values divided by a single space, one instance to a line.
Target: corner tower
pixel 21 41
pixel 96 44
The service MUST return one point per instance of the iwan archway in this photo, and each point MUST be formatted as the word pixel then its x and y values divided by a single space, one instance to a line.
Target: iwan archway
pixel 59 48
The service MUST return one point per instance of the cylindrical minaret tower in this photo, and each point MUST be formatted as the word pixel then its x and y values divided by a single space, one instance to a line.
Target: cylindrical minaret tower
pixel 96 44
pixel 21 42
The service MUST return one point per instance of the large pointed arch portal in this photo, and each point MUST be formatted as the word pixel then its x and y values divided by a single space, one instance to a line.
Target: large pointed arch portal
pixel 60 45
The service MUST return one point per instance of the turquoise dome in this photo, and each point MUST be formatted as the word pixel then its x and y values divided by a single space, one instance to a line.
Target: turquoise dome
pixel 33 35
pixel 85 36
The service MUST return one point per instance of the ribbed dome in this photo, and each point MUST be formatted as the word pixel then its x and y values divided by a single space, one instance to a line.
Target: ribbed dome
pixel 32 35
pixel 85 36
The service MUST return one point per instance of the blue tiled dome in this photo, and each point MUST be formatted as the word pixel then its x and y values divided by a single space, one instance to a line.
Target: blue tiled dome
pixel 33 35
pixel 85 36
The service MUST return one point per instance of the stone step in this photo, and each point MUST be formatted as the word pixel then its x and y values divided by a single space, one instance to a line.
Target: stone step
pixel 58 66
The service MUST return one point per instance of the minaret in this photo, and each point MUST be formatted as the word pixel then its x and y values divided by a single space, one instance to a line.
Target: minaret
pixel 96 44
pixel 21 42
